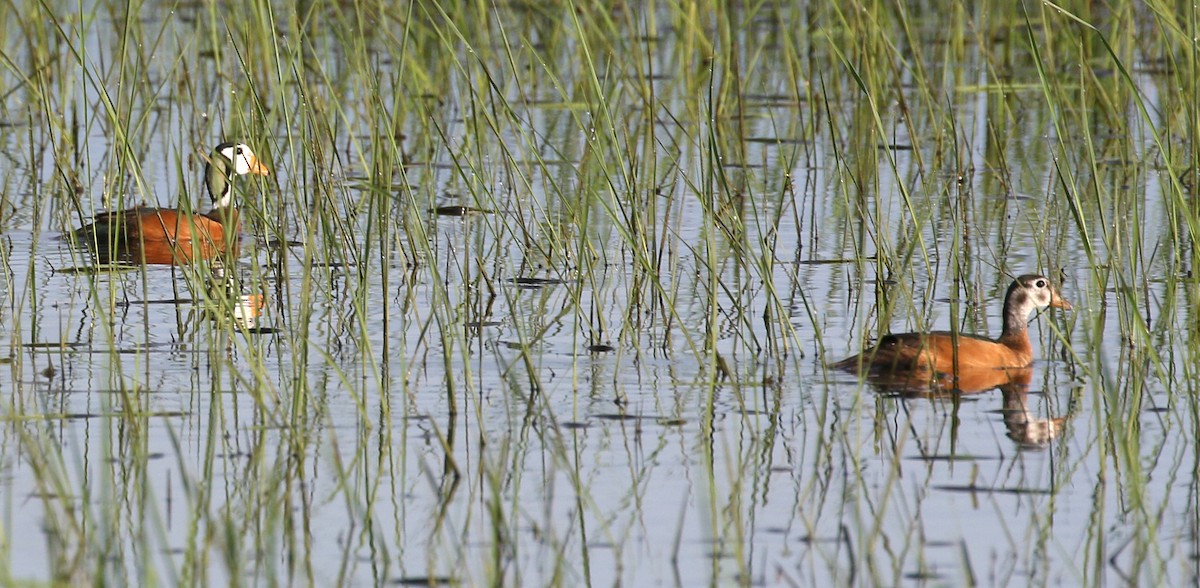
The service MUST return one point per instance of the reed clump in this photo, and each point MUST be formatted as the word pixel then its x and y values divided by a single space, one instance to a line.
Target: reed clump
pixel 543 293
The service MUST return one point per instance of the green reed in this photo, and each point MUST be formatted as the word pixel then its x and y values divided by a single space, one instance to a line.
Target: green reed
pixel 373 115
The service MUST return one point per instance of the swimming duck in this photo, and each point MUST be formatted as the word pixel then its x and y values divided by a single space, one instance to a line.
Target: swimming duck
pixel 943 352
pixel 168 236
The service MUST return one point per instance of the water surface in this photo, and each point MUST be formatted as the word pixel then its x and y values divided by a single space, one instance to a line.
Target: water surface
pixel 611 368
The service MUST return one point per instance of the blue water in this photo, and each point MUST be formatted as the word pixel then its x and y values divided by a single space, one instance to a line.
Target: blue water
pixel 643 408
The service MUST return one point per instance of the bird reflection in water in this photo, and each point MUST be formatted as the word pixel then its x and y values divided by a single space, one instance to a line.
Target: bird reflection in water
pixel 226 299
pixel 1024 427
pixel 224 302
pixel 246 311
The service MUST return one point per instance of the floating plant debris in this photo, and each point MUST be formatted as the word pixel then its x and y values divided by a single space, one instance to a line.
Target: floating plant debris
pixel 460 210
pixel 532 283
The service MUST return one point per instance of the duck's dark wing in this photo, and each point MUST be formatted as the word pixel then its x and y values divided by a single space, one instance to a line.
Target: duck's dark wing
pixel 893 352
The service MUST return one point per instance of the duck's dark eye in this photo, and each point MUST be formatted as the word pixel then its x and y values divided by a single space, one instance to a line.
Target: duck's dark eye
pixel 1041 283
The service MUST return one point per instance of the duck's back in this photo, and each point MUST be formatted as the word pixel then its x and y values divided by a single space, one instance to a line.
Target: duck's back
pixel 938 351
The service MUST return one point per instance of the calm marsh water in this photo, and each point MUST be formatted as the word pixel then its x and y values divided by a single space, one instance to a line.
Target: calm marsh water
pixel 611 370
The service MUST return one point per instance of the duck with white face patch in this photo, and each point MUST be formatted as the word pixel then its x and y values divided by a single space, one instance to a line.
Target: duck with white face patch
pixel 171 236
pixel 945 352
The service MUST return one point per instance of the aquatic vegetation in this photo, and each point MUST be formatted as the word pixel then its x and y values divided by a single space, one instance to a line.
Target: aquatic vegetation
pixel 544 293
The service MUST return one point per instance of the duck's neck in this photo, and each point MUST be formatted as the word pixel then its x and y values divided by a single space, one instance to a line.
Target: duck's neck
pixel 218 178
pixel 1016 313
